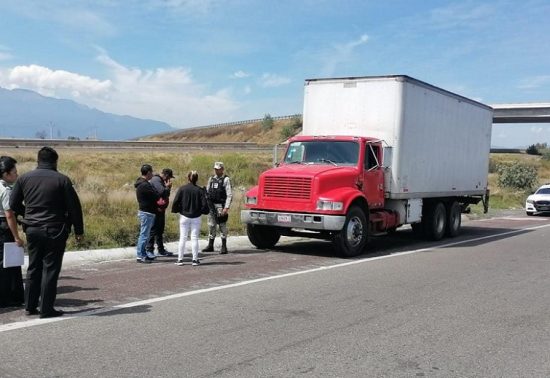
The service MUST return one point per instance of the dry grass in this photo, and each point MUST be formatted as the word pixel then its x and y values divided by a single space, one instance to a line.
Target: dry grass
pixel 251 132
pixel 105 180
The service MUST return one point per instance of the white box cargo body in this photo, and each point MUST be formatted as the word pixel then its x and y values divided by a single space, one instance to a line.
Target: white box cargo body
pixel 438 142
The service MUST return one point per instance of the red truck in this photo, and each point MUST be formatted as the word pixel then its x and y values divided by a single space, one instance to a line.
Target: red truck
pixel 375 153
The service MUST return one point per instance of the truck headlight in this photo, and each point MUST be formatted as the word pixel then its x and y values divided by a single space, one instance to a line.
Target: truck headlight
pixel 329 205
pixel 530 201
pixel 251 200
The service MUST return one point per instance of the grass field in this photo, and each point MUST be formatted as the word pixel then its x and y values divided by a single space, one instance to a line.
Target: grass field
pixel 105 180
pixel 105 183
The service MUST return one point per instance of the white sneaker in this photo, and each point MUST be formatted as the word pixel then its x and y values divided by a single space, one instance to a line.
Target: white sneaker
pixel 179 262
pixel 151 255
pixel 195 262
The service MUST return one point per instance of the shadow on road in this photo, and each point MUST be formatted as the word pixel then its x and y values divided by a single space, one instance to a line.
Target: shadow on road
pixel 73 302
pixel 399 241
pixel 124 311
pixel 72 289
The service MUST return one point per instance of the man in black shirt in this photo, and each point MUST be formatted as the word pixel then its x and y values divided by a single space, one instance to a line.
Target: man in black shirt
pixel 50 207
pixel 147 199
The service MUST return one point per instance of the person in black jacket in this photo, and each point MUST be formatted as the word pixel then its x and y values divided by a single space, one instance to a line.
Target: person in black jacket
pixel 162 184
pixel 147 198
pixel 50 207
pixel 190 203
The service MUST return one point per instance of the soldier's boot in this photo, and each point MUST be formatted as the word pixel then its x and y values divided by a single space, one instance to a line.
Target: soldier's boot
pixel 223 251
pixel 210 246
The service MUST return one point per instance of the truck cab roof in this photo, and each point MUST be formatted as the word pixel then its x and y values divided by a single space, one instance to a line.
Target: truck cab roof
pixel 332 138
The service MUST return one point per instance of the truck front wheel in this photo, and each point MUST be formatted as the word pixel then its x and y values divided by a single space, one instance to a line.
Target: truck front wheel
pixel 262 237
pixel 351 240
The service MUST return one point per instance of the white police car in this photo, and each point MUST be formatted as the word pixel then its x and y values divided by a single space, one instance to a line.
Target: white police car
pixel 539 202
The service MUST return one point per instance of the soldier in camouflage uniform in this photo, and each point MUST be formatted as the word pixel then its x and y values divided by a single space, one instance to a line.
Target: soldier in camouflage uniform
pixel 219 195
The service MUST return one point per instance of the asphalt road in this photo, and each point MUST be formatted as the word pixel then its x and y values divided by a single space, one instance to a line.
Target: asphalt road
pixel 473 306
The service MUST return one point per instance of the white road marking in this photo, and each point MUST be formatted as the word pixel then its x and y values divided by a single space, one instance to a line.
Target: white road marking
pixel 35 322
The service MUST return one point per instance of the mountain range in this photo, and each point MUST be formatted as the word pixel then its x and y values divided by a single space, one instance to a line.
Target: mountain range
pixel 27 114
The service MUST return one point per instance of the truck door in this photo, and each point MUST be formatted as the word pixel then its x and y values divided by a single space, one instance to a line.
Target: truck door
pixel 373 175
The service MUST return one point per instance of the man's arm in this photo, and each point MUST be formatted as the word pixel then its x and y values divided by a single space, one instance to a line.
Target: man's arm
pixel 12 224
pixel 74 209
pixel 16 199
pixel 229 193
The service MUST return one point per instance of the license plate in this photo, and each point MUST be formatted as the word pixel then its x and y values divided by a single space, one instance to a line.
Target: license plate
pixel 284 218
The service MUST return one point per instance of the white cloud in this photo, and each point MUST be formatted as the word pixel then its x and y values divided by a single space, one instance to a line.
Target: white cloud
pixel 240 74
pixel 342 53
pixel 273 80
pixel 165 94
pixel 247 89
pixel 57 83
pixel 534 82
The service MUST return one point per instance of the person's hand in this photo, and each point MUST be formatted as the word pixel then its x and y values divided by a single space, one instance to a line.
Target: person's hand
pixel 19 242
pixel 79 238
pixel 225 211
pixel 168 183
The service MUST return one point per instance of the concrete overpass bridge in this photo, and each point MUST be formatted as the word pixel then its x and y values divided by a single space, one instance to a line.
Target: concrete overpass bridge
pixel 521 113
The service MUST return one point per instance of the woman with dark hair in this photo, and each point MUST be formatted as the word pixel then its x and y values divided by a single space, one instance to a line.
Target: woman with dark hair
pixel 190 203
pixel 11 279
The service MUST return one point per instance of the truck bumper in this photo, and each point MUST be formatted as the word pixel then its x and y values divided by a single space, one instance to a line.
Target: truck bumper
pixel 319 222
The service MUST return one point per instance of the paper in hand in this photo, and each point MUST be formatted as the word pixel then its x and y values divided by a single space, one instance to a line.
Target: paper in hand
pixel 14 255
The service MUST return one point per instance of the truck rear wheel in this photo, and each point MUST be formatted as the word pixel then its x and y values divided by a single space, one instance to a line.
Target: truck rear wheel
pixel 454 219
pixel 351 240
pixel 261 236
pixel 435 221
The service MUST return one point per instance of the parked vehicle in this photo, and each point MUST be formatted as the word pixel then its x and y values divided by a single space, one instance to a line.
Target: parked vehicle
pixel 538 202
pixel 375 153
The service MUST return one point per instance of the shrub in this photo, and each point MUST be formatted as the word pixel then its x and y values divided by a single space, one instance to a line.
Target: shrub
pixel 287 132
pixel 267 122
pixel 296 123
pixel 517 176
pixel 493 166
pixel 532 150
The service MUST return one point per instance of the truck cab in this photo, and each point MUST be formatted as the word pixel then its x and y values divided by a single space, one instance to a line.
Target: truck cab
pixel 327 186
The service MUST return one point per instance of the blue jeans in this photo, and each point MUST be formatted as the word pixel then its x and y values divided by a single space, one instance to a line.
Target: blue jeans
pixel 146 221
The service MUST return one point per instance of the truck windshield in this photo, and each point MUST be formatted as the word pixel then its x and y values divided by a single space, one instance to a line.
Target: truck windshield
pixel 323 152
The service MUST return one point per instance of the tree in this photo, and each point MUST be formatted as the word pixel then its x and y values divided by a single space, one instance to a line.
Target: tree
pixel 267 122
pixel 532 150
pixel 41 134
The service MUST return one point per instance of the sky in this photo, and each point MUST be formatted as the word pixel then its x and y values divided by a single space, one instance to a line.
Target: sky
pixel 200 62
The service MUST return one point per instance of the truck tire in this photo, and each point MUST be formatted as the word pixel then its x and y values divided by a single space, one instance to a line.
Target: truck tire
pixel 435 221
pixel 454 219
pixel 351 240
pixel 261 236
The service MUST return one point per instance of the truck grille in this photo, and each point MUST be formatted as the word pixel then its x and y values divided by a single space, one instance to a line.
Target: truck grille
pixel 287 187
